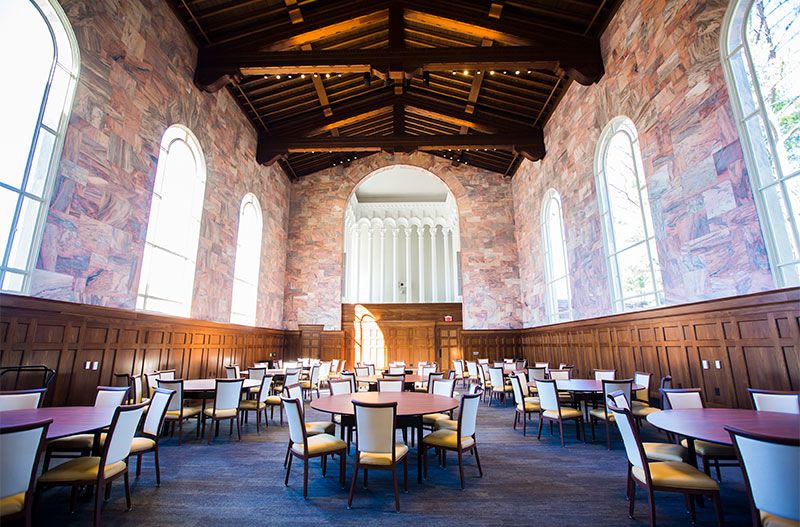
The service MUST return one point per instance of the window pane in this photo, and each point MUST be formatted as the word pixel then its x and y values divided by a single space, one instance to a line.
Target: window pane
pixel 623 192
pixel 21 28
pixel 643 302
pixel 781 223
pixel 741 74
pixel 56 98
pixel 41 162
pixel 23 237
pixel 13 282
pixel 8 204
pixel 167 275
pixel 791 273
pixel 634 271
pixel 561 297
pixel 760 146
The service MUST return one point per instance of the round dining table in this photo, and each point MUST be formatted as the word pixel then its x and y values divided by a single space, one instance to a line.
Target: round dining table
pixel 197 387
pixel 708 424
pixel 409 404
pixel 372 380
pixel 582 386
pixel 67 420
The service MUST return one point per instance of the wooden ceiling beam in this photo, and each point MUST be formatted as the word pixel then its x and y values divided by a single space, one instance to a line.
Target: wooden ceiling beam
pixel 271 148
pixel 295 15
pixel 215 68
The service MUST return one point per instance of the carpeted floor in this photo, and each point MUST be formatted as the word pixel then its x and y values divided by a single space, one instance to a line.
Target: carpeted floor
pixel 525 482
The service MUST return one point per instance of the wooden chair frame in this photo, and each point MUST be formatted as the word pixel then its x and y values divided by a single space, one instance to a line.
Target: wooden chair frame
pixel 632 482
pixel 753 392
pixel 607 420
pixel 41 391
pixel 155 437
pixel 26 514
pixel 522 412
pixel 459 449
pixel 180 418
pixel 579 424
pixel 367 466
pixel 215 419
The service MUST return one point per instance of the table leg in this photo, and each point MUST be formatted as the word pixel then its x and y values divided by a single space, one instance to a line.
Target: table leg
pixel 419 449
pixel 693 462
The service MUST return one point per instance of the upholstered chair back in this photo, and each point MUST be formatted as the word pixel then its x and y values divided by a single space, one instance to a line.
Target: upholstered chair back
pixel 19 451
pixel 156 411
pixel 228 394
pixel 21 399
pixel 375 425
pixel 176 386
pixel 120 435
pixel 110 396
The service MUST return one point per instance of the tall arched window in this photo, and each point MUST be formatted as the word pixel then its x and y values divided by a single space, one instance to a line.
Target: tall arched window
pixel 173 232
pixel 558 304
pixel 760 48
pixel 248 262
pixel 627 222
pixel 40 59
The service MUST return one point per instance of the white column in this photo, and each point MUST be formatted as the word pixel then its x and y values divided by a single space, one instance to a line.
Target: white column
pixel 381 263
pixel 394 264
pixel 348 250
pixel 454 253
pixel 355 244
pixel 407 231
pixel 421 241
pixel 448 267
pixel 369 266
pixel 434 266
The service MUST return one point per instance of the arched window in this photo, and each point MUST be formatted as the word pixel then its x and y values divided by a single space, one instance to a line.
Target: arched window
pixel 760 49
pixel 627 223
pixel 40 60
pixel 173 232
pixel 248 262
pixel 558 304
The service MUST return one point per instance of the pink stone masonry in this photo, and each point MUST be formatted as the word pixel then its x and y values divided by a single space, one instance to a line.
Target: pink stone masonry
pixel 663 70
pixel 137 63
pixel 488 249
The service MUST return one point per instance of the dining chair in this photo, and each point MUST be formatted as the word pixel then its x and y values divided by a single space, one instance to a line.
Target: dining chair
pixel 666 476
pixel 292 377
pixel 545 365
pixel 605 375
pixel 260 403
pixel 22 399
pixel 472 371
pixel 100 471
pixel 232 372
pixel 664 384
pixel 553 411
pixel 771 475
pixel 391 385
pixel 524 406
pixel 397 370
pixel 305 447
pixel 290 365
pixel 371 368
pixel 775 401
pixel 641 397
pixel 461 375
pixel 152 382
pixel 256 374
pixel 461 440
pixel 20 450
pixel 227 397
pixel 534 374
pixel 425 386
pixel 345 422
pixel 499 387
pixel 312 383
pixel 601 414
pixel 654 451
pixel 350 376
pixel 560 375
pixel 709 453
pixel 177 410
pixel 362 371
pixel 151 431
pixel 334 372
pixel 294 391
pixel 483 361
pixel 376 448
pixel 167 375
pixel 483 382
pixel 324 374
pixel 82 444
pixel 445 388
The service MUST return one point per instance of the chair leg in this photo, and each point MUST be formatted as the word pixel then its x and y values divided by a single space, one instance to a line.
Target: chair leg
pixel 98 504
pixel 73 499
pixel 690 507
pixel 405 473
pixel 561 431
pixel 396 491
pixel 461 467
pixel 343 468
pixel 288 457
pixel 719 473
pixel 424 455
pixel 353 486
pixel 539 433
pixel 305 478
pixel 718 508
pixel 46 464
pixel 631 494
pixel 158 467
pixel 516 418
pixel 652 502
pixel 608 435
pixel 238 430
pixel 127 490
pixel 477 459
pixel 288 469
pixel 139 465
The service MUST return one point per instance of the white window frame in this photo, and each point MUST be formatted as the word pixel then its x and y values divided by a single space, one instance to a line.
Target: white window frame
pixel 622 124
pixel 551 275
pixel 173 134
pixel 52 13
pixel 734 27
pixel 248 318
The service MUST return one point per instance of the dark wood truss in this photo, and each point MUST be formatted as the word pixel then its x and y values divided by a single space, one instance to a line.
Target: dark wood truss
pixel 327 81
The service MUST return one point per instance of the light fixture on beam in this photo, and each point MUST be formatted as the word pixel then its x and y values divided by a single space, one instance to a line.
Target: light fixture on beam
pixel 426 78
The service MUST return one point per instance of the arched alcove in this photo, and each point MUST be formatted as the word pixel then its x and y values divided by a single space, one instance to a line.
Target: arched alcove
pixel 401 242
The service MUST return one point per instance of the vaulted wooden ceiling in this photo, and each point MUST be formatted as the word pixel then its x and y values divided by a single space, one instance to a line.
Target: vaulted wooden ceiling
pixel 328 81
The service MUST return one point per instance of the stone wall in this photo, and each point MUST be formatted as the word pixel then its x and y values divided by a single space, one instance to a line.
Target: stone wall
pixel 136 72
pixel 488 250
pixel 663 70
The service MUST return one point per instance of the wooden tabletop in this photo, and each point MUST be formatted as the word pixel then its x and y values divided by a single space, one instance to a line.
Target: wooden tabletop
pixel 708 424
pixel 210 385
pixel 373 379
pixel 270 371
pixel 582 385
pixel 408 403
pixel 67 420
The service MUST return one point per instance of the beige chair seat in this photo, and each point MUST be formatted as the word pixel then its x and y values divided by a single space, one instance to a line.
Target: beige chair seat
pixel 771 520
pixel 76 442
pixel 643 411
pixel 139 444
pixel 534 400
pixel 373 458
pixel 506 388
pixel 80 469
pixel 529 407
pixel 447 439
pixel 421 389
pixel 446 424
pixel 255 390
pixel 664 452
pixel 12 504
pixel 221 414
pixel 319 427
pixel 676 475
pixel 429 419
pixel 320 444
pixel 637 402
pixel 273 400
pixel 600 413
pixel 704 448
pixel 252 404
pixel 566 413
pixel 188 411
pixel 131 401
